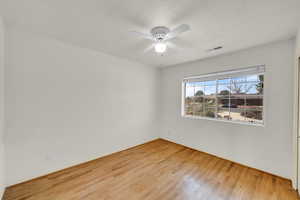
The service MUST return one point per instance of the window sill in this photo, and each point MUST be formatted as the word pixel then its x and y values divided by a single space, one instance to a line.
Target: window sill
pixel 223 120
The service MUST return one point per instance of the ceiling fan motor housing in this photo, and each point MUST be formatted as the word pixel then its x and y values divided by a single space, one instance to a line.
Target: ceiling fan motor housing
pixel 159 32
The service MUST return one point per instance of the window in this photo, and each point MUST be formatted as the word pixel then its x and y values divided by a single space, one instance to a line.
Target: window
pixel 231 95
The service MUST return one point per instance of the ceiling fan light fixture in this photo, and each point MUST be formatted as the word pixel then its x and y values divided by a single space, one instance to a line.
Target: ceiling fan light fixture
pixel 159 35
pixel 160 47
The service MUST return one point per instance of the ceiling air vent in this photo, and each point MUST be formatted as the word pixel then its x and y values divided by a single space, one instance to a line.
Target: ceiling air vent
pixel 215 49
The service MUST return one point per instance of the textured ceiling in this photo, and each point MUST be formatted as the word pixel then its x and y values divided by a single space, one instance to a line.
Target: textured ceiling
pixel 104 25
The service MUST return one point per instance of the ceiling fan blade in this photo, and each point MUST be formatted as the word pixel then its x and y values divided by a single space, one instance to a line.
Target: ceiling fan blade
pixel 142 35
pixel 180 29
pixel 174 47
pixel 149 48
pixel 171 45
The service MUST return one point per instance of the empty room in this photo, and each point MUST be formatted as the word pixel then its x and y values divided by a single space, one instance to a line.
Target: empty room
pixel 149 100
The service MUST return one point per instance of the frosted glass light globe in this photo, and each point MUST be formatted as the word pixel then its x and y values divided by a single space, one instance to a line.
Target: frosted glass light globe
pixel 160 47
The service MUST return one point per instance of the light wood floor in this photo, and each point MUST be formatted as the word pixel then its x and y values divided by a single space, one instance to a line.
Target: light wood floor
pixel 153 171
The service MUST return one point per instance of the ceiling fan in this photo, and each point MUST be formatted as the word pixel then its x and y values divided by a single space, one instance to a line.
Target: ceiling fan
pixel 161 35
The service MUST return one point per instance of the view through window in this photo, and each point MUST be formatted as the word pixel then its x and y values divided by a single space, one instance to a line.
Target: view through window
pixel 234 95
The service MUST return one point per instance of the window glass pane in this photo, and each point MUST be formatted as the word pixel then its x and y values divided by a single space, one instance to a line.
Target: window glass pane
pixel 237 101
pixel 252 78
pixel 198 106
pixel 253 115
pixel 223 113
pixel 251 88
pixel 238 88
pixel 189 90
pixel 254 101
pixel 236 114
pixel 260 88
pixel 244 88
pixel 223 108
pixel 254 108
pixel 199 90
pixel 223 102
pixel 210 89
pixel 194 99
pixel 209 106
pixel 237 98
pixel 223 87
pixel 237 105
pixel 189 98
pixel 225 81
pixel 188 106
pixel 239 79
pixel 255 84
pixel 209 83
pixel 260 84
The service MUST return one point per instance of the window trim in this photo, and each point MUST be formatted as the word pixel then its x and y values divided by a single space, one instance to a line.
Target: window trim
pixel 261 70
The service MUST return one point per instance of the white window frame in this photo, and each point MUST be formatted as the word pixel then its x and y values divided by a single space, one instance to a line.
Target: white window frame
pixel 258 69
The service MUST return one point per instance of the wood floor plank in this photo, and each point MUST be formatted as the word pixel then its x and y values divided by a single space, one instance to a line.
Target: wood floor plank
pixel 153 171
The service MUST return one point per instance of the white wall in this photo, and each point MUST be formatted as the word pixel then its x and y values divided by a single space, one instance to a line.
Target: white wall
pixel 267 148
pixel 67 105
pixel 2 165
